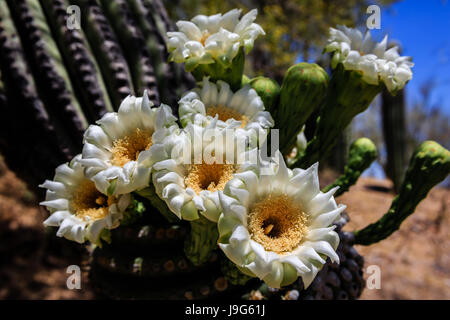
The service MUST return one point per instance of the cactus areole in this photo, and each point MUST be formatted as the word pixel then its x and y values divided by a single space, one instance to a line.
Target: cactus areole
pixel 120 166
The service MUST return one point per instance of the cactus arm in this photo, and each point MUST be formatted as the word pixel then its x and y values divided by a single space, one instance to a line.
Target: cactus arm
pixel 302 91
pixel 107 52
pixel 133 45
pixel 347 96
pixel 394 132
pixel 362 153
pixel 429 165
pixel 267 89
pixel 201 240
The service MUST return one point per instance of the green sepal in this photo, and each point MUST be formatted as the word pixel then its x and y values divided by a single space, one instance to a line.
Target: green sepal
pixel 105 235
pixel 201 241
pixel 133 213
pixel 222 69
pixel 232 273
pixel 149 193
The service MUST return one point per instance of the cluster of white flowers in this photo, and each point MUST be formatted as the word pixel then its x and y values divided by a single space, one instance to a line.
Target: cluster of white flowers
pixel 273 223
pixel 207 39
pixel 356 52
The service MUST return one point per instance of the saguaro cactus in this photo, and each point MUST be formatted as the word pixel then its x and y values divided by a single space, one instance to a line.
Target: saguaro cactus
pixel 393 111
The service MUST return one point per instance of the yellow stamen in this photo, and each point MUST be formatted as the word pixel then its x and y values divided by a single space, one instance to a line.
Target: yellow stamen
pixel 210 177
pixel 226 113
pixel 128 148
pixel 204 37
pixel 87 202
pixel 277 223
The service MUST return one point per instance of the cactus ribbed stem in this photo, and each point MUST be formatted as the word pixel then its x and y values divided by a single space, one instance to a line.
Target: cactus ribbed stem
pixel 393 111
pixel 81 66
pixel 27 123
pixel 106 50
pixel 362 153
pixel 429 165
pixel 201 241
pixel 347 96
pixel 46 66
pixel 133 45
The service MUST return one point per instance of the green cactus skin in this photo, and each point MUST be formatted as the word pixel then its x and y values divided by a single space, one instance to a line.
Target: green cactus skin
pixel 47 68
pixel 201 241
pixel 106 50
pixel 232 272
pixel 34 128
pixel 79 61
pixel 165 72
pixel 429 165
pixel 347 96
pixel 302 91
pixel 362 153
pixel 268 90
pixel 133 45
pixel 230 73
pixel 394 132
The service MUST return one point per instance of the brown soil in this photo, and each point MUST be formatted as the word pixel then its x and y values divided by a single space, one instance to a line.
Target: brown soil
pixel 414 262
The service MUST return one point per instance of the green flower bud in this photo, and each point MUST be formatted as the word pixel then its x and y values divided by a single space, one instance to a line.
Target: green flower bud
pixel 268 90
pixel 348 95
pixel 302 91
pixel 362 153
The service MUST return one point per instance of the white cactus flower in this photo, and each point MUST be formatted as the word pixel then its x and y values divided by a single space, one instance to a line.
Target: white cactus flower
pixel 198 164
pixel 118 153
pixel 79 210
pixel 360 53
pixel 278 227
pixel 205 39
pixel 243 109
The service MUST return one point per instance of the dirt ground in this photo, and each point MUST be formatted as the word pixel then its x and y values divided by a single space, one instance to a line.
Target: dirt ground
pixel 414 262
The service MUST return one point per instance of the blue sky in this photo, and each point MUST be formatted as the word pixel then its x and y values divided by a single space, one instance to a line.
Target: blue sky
pixel 423 29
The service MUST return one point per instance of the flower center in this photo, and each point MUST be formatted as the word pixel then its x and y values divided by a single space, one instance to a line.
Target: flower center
pixel 205 36
pixel 211 177
pixel 277 223
pixel 226 113
pixel 89 203
pixel 128 148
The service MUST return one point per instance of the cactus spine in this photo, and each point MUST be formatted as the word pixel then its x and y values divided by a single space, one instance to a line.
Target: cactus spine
pixel 429 165
pixel 302 91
